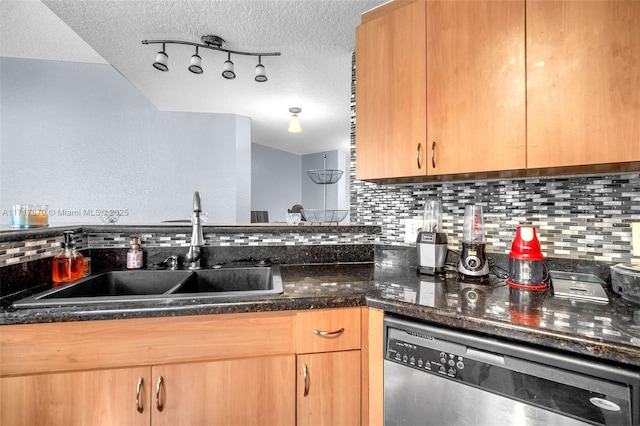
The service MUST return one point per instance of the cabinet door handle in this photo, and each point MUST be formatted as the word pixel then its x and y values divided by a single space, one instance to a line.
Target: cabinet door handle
pixel 305 374
pixel 158 390
pixel 418 155
pixel 139 407
pixel 433 154
pixel 336 333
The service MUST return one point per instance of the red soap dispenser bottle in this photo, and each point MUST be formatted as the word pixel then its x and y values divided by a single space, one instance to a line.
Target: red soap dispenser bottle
pixel 68 265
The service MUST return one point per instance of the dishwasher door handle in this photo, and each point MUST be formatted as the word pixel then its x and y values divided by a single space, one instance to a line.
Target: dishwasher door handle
pixel 488 357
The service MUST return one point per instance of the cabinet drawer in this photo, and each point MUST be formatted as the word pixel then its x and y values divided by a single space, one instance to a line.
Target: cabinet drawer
pixel 328 330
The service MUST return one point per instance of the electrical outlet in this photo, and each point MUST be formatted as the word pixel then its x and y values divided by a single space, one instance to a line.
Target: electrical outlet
pixel 411 229
pixel 635 238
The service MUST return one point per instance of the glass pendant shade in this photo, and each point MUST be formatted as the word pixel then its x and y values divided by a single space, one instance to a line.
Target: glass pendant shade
pixel 228 72
pixel 162 60
pixel 261 76
pixel 196 64
pixel 294 124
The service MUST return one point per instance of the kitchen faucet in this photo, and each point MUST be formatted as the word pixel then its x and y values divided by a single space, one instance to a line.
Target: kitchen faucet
pixel 197 239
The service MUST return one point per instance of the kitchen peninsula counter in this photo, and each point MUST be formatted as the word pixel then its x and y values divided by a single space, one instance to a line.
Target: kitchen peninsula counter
pixel 606 332
pixel 9 234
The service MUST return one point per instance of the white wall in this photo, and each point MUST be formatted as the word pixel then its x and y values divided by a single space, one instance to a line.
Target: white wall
pixel 280 180
pixel 275 181
pixel 79 137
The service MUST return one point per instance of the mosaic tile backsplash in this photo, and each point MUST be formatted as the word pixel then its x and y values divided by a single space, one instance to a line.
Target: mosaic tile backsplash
pixel 16 252
pixel 576 217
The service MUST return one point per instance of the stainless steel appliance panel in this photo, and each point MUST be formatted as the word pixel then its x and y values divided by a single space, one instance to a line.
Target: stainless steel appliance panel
pixel 437 376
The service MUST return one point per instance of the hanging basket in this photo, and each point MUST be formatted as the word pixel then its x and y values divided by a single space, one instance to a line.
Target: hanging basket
pixel 324 176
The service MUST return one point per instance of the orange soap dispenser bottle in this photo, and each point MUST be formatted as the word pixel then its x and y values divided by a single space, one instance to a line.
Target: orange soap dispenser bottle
pixel 68 265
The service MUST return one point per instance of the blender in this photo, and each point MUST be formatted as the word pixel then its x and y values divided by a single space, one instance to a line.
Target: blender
pixel 431 241
pixel 473 259
pixel 526 262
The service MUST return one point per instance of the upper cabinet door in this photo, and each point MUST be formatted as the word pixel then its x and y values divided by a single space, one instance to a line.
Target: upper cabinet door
pixel 583 82
pixel 476 116
pixel 391 94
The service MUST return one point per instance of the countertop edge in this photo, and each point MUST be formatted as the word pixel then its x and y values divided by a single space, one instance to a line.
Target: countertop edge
pixel 593 348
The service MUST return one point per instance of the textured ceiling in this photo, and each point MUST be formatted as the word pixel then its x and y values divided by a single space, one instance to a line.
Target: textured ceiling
pixel 316 39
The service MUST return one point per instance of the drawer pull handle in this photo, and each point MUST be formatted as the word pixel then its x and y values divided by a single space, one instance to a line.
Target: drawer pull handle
pixel 418 155
pixel 305 374
pixel 336 333
pixel 139 407
pixel 433 154
pixel 158 389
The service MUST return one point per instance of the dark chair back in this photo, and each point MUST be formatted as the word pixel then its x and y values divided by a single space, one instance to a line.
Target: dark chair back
pixel 259 216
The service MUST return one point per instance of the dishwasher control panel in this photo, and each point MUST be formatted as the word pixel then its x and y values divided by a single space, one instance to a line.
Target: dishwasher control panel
pixel 426 359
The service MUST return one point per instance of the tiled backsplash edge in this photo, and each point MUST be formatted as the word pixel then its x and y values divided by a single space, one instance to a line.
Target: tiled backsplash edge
pixel 585 217
pixel 16 252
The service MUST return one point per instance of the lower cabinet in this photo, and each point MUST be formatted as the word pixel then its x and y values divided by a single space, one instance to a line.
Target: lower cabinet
pixel 104 397
pixel 272 368
pixel 329 389
pixel 329 367
pixel 207 393
pixel 253 391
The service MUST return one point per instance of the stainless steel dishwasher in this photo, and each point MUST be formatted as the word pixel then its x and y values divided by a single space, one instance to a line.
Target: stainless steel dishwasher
pixel 440 376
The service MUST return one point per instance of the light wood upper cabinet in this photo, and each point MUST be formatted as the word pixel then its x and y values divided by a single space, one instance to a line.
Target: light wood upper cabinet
pixel 391 104
pixel 583 82
pixel 99 398
pixel 498 86
pixel 475 86
pixel 440 89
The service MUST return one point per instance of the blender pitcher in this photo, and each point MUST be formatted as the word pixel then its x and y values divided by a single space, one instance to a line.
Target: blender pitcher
pixel 473 259
pixel 431 241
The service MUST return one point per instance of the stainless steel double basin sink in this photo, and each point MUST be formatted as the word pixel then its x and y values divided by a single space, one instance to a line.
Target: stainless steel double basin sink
pixel 234 282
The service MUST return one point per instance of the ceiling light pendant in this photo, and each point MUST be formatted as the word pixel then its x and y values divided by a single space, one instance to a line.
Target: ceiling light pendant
pixel 294 123
pixel 211 42
pixel 261 76
pixel 228 72
pixel 162 60
pixel 196 63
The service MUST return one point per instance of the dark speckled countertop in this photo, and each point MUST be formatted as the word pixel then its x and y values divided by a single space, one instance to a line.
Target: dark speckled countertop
pixel 606 331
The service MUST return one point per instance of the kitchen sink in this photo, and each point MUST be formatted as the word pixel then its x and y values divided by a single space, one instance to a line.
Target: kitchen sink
pixel 230 280
pixel 163 285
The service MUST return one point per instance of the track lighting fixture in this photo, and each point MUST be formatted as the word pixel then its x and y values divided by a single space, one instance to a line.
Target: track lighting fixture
pixel 261 76
pixel 294 123
pixel 196 63
pixel 162 60
pixel 211 42
pixel 228 69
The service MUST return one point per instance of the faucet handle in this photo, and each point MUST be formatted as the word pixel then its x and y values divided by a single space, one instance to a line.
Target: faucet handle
pixel 171 262
pixel 197 205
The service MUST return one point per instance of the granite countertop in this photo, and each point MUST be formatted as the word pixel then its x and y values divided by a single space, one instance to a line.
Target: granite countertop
pixel 604 331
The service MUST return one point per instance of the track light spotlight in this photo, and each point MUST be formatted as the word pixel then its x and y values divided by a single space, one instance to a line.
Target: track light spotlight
pixel 196 63
pixel 162 60
pixel 261 76
pixel 294 123
pixel 211 42
pixel 228 69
